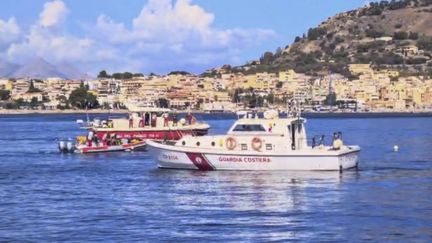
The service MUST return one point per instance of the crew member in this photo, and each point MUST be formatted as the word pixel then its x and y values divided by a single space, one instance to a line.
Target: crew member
pixel 174 120
pixel 337 141
pixel 193 119
pixel 90 138
pixel 321 143
pixel 166 119
pixel 153 120
pixel 141 122
pixel 104 139
pixel 189 118
pixel 130 121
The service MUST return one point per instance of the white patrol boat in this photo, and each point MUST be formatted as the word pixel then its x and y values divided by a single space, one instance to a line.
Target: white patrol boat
pixel 268 143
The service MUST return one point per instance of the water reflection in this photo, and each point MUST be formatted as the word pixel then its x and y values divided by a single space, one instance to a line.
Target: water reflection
pixel 277 200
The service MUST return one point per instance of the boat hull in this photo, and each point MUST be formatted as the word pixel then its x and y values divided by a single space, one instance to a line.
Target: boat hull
pixel 84 149
pixel 178 158
pixel 151 134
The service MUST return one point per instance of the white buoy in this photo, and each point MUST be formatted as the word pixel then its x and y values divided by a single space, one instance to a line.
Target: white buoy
pixel 396 148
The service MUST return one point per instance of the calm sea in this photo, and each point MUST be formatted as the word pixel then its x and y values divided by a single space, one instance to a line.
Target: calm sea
pixel 47 196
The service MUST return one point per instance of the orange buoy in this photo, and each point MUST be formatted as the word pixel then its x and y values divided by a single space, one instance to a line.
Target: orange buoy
pixel 256 143
pixel 230 143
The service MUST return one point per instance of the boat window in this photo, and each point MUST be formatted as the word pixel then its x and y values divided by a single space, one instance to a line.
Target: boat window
pixel 198 143
pixel 213 143
pixel 269 146
pixel 243 146
pixel 249 128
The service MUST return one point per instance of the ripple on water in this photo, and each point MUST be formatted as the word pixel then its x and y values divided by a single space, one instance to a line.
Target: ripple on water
pixel 47 196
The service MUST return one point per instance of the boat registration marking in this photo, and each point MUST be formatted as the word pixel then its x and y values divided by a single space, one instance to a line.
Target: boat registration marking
pixel 169 157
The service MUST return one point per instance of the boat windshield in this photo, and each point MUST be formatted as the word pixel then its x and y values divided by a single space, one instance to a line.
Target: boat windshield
pixel 249 128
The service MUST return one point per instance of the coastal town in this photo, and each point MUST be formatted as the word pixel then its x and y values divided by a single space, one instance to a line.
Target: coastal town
pixel 372 90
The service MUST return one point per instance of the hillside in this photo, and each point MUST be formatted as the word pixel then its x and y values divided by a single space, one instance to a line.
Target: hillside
pixel 395 35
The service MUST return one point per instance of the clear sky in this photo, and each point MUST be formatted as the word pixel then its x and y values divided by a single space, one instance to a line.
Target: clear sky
pixel 155 35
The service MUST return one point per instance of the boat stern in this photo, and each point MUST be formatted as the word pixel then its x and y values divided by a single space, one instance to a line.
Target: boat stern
pixel 348 157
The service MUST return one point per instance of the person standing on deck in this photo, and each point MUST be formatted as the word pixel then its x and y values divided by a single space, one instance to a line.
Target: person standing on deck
pixel 174 120
pixel 165 117
pixel 130 121
pixel 153 119
pixel 90 138
pixel 141 122
pixel 189 118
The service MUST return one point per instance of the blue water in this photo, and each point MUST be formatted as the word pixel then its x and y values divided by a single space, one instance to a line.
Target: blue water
pixel 47 196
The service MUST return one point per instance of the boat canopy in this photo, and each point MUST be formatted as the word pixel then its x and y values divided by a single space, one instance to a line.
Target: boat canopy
pixel 274 126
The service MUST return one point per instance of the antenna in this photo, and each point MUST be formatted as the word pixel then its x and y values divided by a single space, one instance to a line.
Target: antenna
pixel 87 115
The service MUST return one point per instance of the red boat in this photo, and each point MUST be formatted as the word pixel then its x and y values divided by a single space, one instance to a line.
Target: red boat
pixel 150 123
pixel 84 148
pixel 141 124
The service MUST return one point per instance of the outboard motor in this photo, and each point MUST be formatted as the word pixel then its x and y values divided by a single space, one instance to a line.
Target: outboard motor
pixel 66 146
pixel 62 146
pixel 70 146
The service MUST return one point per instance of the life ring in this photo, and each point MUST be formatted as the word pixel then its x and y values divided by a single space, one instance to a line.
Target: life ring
pixel 230 143
pixel 256 143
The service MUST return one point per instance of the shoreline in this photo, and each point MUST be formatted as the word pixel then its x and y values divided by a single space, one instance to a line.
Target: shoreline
pixel 334 114
pixel 59 112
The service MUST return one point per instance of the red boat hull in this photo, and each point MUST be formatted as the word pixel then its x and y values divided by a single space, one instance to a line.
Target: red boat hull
pixel 113 148
pixel 167 135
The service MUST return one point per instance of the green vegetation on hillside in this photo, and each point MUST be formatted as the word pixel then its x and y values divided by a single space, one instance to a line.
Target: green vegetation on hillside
pixel 384 34
pixel 125 75
pixel 179 73
pixel 4 94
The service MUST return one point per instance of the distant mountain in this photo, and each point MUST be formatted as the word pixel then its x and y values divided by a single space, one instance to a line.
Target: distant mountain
pixel 41 69
pixel 70 71
pixel 38 68
pixel 7 68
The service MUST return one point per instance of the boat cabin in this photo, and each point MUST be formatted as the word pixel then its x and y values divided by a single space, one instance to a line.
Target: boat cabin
pixel 146 118
pixel 269 133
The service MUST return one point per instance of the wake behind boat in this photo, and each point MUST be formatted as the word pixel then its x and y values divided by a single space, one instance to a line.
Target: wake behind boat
pixel 267 143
